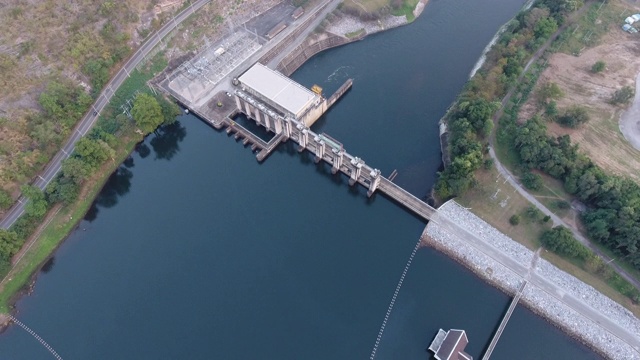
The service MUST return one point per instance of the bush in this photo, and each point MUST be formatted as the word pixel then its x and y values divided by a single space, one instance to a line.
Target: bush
pixel 488 164
pixel 574 117
pixel 533 213
pixel 562 205
pixel 622 96
pixel 532 181
pixel 599 66
pixel 546 219
pixel 561 241
pixel 514 219
pixel 551 110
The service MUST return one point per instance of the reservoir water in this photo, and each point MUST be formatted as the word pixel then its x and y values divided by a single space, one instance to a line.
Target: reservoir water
pixel 195 251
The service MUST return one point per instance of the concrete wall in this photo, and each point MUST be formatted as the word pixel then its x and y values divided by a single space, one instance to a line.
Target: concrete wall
pixel 309 48
pixel 290 38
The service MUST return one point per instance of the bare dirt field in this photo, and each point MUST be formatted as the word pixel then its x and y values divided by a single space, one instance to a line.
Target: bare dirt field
pixel 600 138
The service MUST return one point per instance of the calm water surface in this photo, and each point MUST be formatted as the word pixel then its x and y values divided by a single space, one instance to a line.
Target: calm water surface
pixel 195 251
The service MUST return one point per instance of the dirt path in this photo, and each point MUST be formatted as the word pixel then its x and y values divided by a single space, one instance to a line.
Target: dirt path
pixel 630 120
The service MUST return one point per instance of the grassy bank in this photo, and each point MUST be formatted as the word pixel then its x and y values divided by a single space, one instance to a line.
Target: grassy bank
pixel 62 219
pixel 59 228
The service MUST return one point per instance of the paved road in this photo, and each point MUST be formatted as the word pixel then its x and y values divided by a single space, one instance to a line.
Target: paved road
pixel 103 99
pixel 630 120
pixel 549 287
pixel 512 180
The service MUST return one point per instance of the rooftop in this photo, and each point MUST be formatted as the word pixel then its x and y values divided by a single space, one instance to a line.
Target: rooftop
pixel 278 88
pixel 449 345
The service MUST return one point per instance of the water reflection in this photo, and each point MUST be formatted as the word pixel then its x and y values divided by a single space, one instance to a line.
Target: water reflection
pixel 166 141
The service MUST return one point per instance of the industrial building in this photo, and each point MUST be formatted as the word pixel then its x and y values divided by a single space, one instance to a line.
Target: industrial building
pixel 269 97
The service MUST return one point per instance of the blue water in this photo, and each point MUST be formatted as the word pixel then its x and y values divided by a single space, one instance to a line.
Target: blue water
pixel 195 251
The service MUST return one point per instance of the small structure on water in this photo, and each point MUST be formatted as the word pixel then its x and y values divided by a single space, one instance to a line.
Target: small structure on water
pixel 449 345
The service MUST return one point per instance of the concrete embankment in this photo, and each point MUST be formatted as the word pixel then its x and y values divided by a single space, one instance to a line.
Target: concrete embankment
pixel 607 339
pixel 343 29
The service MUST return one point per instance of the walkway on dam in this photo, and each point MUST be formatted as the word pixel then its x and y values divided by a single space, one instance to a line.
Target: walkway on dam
pixel 504 321
pixel 405 198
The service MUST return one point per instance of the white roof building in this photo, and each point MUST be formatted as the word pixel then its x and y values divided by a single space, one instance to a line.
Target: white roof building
pixel 278 90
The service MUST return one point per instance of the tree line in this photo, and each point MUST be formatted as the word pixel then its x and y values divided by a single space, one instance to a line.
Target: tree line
pixel 469 120
pixel 90 153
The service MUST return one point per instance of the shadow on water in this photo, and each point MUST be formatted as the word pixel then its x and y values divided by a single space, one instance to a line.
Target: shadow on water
pixel 142 150
pixel 48 265
pixel 253 127
pixel 118 185
pixel 166 140
pixel 339 179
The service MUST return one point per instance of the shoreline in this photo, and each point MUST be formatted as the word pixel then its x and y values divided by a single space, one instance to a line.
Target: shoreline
pixel 345 30
pixel 591 332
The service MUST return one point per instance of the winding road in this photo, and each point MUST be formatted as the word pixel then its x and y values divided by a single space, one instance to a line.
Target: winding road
pixel 103 99
pixel 630 119
pixel 520 188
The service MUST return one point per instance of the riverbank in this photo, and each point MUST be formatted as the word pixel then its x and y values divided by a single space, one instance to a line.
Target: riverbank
pixel 552 306
pixel 20 279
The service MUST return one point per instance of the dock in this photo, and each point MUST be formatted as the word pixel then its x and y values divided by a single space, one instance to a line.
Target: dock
pixel 505 320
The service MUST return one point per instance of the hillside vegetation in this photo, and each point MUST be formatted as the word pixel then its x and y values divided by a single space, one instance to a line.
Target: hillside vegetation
pixel 54 61
pixel 56 55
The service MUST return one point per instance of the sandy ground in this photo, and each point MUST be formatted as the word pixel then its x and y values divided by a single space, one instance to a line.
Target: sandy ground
pixel 600 138
pixel 630 120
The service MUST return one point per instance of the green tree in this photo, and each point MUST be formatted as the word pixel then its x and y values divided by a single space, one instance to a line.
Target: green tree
pixel 477 112
pixel 514 219
pixel 76 169
pixel 5 199
pixel 545 27
pixel 37 205
pixel 93 152
pixel 64 103
pixel 169 111
pixel 147 113
pixel 532 181
pixel 98 72
pixel 549 91
pixel 45 134
pixel 63 190
pixel 599 66
pixel 9 243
